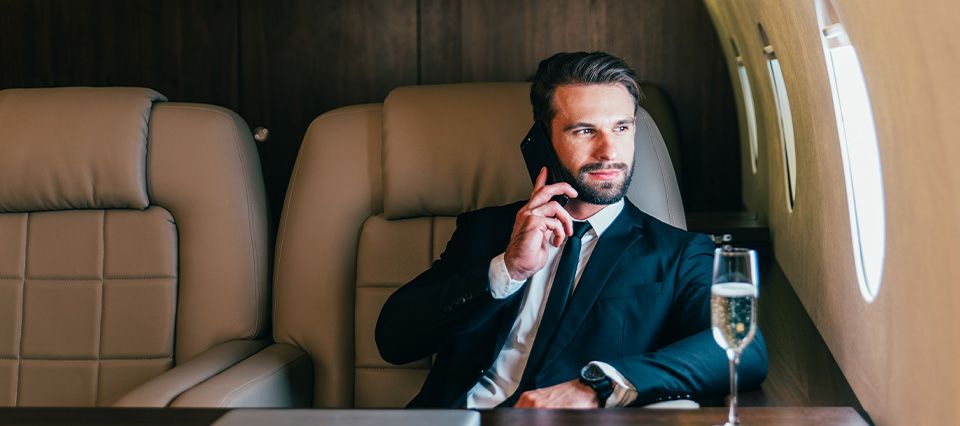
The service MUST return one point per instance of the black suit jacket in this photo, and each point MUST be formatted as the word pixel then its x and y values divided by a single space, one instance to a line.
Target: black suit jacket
pixel 642 305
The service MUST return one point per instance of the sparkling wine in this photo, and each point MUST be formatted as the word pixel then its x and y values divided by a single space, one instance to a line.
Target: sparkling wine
pixel 733 311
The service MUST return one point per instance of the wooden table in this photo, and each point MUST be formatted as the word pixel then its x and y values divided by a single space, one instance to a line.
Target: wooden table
pixel 749 416
pixel 501 417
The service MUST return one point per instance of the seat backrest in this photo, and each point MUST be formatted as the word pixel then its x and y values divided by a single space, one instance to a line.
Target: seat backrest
pixel 132 237
pixel 372 202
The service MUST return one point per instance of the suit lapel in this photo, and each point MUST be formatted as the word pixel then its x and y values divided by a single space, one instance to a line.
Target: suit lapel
pixel 625 230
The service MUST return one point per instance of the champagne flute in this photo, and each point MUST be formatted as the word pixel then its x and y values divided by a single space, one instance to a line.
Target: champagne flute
pixel 733 309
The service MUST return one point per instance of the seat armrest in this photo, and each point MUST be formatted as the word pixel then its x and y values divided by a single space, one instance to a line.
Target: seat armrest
pixel 279 376
pixel 163 389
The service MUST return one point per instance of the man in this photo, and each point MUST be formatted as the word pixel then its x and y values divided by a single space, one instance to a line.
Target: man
pixel 590 304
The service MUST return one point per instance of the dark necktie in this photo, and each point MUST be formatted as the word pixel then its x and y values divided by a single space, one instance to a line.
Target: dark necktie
pixel 557 301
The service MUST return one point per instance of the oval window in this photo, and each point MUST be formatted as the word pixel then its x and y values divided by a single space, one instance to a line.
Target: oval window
pixel 751 115
pixel 785 118
pixel 858 150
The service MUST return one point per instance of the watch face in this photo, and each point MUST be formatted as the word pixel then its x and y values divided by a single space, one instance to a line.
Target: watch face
pixel 592 373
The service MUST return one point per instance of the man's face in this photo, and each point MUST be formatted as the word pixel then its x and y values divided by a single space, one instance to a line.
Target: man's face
pixel 592 134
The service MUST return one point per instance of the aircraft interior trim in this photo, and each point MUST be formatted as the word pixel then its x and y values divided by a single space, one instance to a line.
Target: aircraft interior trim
pixel 219 212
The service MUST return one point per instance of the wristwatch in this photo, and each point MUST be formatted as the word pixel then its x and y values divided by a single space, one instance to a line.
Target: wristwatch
pixel 593 376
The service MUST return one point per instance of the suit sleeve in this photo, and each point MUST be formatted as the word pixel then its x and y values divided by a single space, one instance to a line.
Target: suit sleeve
pixel 691 365
pixel 448 300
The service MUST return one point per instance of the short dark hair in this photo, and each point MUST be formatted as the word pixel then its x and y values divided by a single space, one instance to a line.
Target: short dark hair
pixel 578 68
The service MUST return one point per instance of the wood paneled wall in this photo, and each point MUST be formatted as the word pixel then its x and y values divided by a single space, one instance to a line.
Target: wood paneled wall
pixel 185 49
pixel 302 58
pixel 898 352
pixel 280 64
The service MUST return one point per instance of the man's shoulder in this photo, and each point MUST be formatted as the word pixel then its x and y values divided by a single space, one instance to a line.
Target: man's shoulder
pixel 491 215
pixel 663 231
pixel 487 228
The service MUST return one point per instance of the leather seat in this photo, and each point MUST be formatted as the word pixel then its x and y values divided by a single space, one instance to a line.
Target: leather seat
pixel 373 200
pixel 133 246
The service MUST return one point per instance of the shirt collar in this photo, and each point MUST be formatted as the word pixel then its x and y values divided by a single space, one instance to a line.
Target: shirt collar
pixel 602 219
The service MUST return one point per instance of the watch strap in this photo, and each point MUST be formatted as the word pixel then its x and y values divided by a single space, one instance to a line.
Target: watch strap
pixel 602 386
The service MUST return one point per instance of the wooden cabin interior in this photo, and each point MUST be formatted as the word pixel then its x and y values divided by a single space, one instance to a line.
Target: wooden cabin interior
pixel 817 132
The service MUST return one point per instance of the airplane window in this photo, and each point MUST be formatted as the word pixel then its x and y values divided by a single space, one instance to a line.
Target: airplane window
pixel 859 150
pixel 751 114
pixel 784 115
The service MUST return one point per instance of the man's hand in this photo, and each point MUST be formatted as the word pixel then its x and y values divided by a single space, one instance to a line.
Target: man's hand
pixel 538 223
pixel 572 394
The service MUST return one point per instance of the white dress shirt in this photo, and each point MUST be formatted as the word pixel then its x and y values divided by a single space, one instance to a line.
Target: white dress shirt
pixel 502 379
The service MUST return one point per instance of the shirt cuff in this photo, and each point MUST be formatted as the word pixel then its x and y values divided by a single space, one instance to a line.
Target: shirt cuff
pixel 501 285
pixel 623 391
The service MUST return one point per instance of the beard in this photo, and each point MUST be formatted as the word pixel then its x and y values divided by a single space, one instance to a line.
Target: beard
pixel 600 193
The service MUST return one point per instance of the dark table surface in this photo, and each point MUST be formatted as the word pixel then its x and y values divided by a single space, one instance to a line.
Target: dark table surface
pixel 628 416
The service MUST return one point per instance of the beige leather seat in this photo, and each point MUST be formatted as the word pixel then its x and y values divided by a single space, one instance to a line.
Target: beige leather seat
pixel 133 246
pixel 372 202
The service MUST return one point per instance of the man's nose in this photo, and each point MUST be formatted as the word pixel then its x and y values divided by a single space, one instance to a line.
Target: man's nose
pixel 605 149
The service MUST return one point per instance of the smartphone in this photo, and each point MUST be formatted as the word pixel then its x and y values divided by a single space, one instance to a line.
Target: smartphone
pixel 538 152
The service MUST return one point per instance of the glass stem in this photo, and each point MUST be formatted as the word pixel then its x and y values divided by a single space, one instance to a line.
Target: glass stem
pixel 734 360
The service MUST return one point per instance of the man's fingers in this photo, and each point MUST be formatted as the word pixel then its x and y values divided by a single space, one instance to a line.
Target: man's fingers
pixel 554 210
pixel 570 394
pixel 525 401
pixel 557 235
pixel 552 228
pixel 521 403
pixel 538 183
pixel 543 194
pixel 541 179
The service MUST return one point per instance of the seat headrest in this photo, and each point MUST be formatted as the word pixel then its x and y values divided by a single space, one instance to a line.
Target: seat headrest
pixel 74 148
pixel 448 149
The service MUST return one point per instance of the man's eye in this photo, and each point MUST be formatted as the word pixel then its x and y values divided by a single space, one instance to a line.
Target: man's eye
pixel 621 129
pixel 583 132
